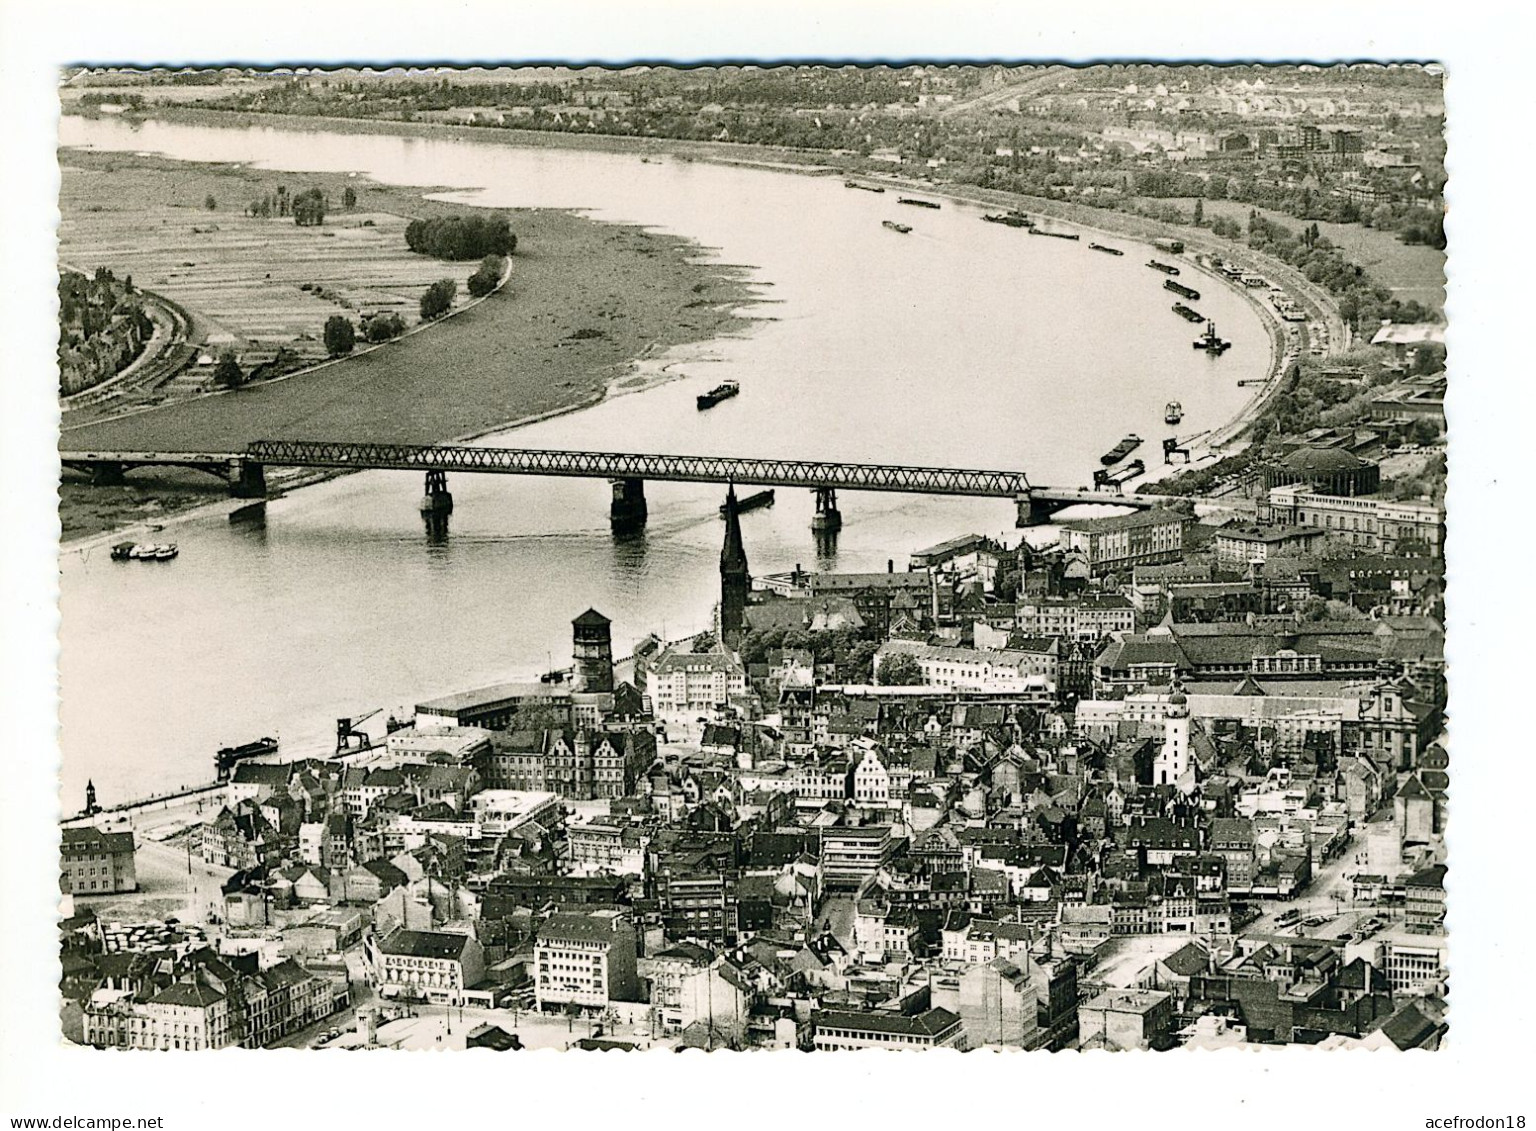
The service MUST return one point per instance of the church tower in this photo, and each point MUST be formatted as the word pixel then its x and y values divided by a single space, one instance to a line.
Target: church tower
pixel 734 578
pixel 1172 760
pixel 91 808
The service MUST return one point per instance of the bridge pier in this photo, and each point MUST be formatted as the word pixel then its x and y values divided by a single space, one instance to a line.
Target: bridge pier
pixel 437 499
pixel 247 479
pixel 107 474
pixel 828 519
pixel 627 511
pixel 1033 511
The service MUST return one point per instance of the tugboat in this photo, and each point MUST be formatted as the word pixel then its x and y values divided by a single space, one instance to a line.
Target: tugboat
pixel 752 502
pixel 1124 448
pixel 1180 289
pixel 1173 413
pixel 122 552
pixel 912 200
pixel 1210 343
pixel 866 188
pixel 1013 218
pixel 1163 267
pixel 1189 314
pixel 895 227
pixel 1106 249
pixel 721 392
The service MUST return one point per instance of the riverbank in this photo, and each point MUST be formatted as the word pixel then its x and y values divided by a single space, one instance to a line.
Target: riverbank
pixel 587 306
pixel 1105 222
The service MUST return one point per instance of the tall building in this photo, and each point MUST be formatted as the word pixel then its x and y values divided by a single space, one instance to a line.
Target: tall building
pixel 734 578
pixel 1172 761
pixel 592 650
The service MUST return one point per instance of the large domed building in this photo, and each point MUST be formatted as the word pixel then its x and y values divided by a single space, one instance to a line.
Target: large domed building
pixel 1329 471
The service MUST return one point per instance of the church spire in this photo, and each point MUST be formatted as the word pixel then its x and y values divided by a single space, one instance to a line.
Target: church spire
pixel 734 578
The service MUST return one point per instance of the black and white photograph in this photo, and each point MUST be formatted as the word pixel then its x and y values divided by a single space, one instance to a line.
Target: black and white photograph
pixel 752 554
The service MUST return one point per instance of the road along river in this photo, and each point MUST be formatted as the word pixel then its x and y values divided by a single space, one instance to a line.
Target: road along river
pixel 962 343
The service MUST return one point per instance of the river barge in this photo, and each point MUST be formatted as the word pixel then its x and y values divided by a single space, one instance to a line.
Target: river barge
pixel 721 392
pixel 1189 314
pixel 1180 289
pixel 1011 218
pixel 864 188
pixel 915 202
pixel 1210 343
pixel 1165 268
pixel 1124 448
pixel 752 502
pixel 1055 235
pixel 1106 249
pixel 229 757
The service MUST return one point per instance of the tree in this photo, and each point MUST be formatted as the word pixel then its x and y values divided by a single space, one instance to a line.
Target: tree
pixel 210 203
pixel 484 280
pixel 308 208
pixel 349 198
pixel 382 327
pixel 228 372
pixel 340 336
pixel 1199 211
pixel 437 300
pixel 900 670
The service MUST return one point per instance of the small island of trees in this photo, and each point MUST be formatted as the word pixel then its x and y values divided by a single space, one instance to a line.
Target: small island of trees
pixel 468 236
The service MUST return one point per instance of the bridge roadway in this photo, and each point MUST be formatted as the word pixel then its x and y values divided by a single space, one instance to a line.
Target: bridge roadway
pixel 628 471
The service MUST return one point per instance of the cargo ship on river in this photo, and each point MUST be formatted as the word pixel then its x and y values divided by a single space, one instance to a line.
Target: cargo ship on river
pixel 916 203
pixel 865 188
pixel 1165 268
pixel 225 761
pixel 1124 448
pixel 1056 235
pixel 751 502
pixel 1012 218
pixel 1106 249
pixel 1180 289
pixel 1189 314
pixel 721 392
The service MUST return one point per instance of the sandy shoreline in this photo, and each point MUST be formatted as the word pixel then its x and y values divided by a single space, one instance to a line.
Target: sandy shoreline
pixel 589 305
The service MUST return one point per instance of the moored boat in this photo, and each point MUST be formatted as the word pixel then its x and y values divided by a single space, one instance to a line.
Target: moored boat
pixel 895 227
pixel 1189 314
pixel 1180 289
pixel 166 551
pixel 1013 218
pixel 1106 249
pixel 1165 268
pixel 915 202
pixel 122 552
pixel 866 188
pixel 723 391
pixel 142 551
pixel 230 756
pixel 1056 235
pixel 1173 413
pixel 1124 448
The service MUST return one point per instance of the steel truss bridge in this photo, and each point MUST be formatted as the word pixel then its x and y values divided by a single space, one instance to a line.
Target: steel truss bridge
pixel 627 471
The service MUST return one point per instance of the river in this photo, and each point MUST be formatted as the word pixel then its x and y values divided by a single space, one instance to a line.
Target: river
pixel 961 344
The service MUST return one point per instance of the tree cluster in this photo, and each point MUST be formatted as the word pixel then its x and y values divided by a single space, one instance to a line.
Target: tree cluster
pixel 340 335
pixel 485 279
pixel 437 300
pixel 851 652
pixel 308 208
pixel 466 236
pixel 383 327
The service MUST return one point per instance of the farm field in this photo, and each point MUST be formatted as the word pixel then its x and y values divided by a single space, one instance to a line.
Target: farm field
pixel 251 284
